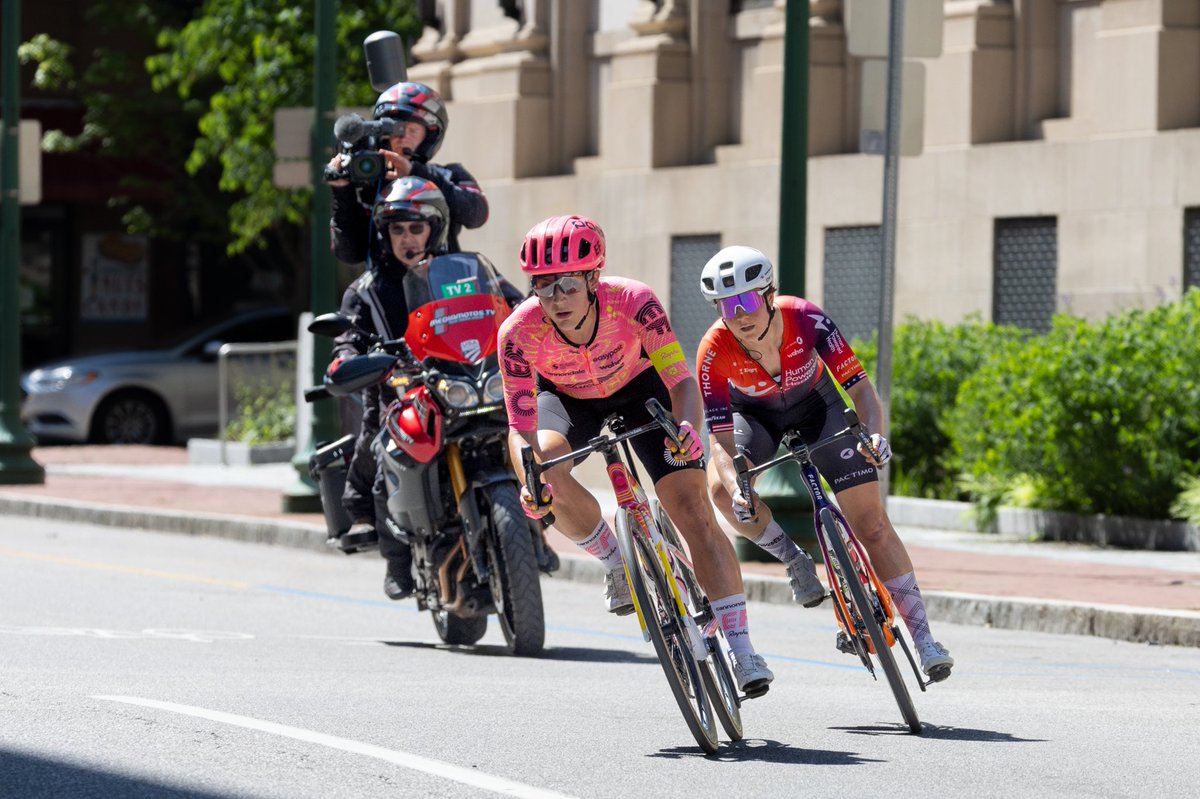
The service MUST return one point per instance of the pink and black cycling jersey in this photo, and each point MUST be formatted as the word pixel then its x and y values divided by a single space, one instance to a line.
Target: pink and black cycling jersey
pixel 731 380
pixel 632 336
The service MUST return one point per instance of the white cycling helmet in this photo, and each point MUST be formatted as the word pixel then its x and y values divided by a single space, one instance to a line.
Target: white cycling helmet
pixel 735 270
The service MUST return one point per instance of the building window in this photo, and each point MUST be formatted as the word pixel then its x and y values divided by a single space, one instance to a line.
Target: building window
pixel 691 314
pixel 853 269
pixel 1024 272
pixel 1191 248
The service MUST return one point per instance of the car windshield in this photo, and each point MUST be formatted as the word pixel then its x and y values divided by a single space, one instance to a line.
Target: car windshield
pixel 274 326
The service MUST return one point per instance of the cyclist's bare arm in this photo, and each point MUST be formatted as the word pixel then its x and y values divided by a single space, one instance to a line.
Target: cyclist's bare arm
pixel 869 408
pixel 685 403
pixel 721 452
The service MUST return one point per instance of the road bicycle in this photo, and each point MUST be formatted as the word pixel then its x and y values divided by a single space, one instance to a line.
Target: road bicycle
pixel 671 607
pixel 862 605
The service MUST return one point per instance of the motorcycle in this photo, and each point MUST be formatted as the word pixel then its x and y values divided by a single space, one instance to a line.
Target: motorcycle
pixel 452 495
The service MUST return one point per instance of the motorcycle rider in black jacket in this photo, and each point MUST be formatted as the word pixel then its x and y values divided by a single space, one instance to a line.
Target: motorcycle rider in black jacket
pixel 411 223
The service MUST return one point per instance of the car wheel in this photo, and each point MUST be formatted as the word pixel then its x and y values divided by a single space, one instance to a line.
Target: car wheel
pixel 130 418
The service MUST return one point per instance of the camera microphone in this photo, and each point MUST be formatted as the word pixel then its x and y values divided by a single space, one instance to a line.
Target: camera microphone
pixel 348 128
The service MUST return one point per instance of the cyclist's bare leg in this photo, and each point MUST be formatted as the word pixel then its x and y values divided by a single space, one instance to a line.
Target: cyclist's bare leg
pixel 864 509
pixel 576 510
pixel 682 494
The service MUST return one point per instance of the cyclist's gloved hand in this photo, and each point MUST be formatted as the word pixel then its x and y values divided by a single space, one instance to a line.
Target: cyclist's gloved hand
pixel 692 449
pixel 881 447
pixel 741 507
pixel 532 510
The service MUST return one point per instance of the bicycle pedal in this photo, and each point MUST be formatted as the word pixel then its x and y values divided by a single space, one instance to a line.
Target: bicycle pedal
pixel 938 673
pixel 814 603
pixel 756 689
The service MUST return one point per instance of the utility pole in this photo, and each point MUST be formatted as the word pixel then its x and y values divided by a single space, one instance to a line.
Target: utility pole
pixel 891 183
pixel 303 496
pixel 793 157
pixel 16 463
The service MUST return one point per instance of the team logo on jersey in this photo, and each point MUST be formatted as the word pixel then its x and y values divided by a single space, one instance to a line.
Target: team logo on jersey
pixel 523 403
pixel 847 453
pixel 653 318
pixel 820 321
pixel 514 359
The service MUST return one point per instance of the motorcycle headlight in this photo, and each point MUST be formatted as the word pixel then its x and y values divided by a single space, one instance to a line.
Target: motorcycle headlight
pixel 457 393
pixel 60 378
pixel 493 389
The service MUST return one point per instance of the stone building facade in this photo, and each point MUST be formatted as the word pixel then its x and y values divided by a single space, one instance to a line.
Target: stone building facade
pixel 1060 166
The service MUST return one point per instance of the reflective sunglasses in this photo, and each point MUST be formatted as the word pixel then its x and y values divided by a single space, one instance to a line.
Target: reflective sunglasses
pixel 569 284
pixel 412 228
pixel 747 301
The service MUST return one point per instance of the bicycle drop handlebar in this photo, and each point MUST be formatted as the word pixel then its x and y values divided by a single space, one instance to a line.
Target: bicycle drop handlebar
pixel 533 470
pixel 800 452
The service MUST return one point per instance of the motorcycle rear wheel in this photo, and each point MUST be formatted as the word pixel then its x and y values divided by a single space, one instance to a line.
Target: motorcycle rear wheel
pixel 513 572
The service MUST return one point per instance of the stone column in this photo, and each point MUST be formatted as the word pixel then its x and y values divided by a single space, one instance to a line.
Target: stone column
pixel 649 94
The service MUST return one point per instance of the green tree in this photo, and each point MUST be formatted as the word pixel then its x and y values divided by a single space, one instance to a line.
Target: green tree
pixel 199 103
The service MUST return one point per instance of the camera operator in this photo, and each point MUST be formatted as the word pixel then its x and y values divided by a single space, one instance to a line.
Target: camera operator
pixel 411 218
pixel 420 120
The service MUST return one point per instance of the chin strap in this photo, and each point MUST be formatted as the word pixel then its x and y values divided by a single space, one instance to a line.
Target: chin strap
pixel 770 318
pixel 591 302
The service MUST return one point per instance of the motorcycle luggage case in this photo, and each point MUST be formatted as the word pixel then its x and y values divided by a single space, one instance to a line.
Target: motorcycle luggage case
pixel 327 466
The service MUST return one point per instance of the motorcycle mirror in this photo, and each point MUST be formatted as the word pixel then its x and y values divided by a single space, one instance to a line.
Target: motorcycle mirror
pixel 359 372
pixel 330 324
pixel 384 51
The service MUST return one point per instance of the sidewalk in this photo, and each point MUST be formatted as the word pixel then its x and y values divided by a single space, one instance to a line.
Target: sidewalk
pixel 966 577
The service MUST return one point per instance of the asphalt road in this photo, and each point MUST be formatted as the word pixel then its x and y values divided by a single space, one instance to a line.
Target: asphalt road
pixel 140 664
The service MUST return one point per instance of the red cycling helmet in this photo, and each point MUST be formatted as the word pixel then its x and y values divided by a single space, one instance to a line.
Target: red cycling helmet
pixel 563 244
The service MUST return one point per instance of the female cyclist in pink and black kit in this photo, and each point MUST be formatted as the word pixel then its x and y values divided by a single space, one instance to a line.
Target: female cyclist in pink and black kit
pixel 767 365
pixel 584 348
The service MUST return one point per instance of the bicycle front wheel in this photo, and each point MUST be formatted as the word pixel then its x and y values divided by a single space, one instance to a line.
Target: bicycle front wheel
pixel 864 608
pixel 715 672
pixel 660 617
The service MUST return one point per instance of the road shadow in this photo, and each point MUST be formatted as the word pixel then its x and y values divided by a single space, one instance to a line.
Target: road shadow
pixel 578 654
pixel 764 750
pixel 938 732
pixel 32 777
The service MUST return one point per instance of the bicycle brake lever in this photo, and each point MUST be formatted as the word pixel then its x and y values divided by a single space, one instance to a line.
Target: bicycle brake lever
pixel 533 482
pixel 664 419
pixel 743 478
pixel 856 428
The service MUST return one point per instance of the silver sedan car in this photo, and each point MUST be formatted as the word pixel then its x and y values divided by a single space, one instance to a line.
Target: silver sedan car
pixel 143 397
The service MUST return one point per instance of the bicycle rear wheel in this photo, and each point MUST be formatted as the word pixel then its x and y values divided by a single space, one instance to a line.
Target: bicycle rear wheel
pixel 656 604
pixel 864 607
pixel 715 672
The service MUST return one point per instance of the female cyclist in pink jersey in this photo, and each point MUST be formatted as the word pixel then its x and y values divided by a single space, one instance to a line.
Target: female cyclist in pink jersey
pixel 585 347
pixel 770 364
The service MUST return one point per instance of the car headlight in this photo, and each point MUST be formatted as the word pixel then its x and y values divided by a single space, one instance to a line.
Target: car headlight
pixel 458 393
pixel 57 379
pixel 493 389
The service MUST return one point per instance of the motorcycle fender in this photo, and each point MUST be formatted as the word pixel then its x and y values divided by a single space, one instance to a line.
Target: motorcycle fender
pixel 473 519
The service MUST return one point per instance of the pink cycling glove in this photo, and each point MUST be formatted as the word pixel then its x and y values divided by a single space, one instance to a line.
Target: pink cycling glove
pixel 537 511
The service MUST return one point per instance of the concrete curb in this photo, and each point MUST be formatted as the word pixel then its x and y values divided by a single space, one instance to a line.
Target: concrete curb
pixel 1045 525
pixel 1119 622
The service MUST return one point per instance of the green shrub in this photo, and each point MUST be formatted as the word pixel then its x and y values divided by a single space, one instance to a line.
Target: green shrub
pixel 263 416
pixel 1092 417
pixel 929 362
pixel 1187 505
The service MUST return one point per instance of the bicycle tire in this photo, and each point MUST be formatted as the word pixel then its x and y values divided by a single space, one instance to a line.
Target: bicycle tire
pixel 863 607
pixel 716 674
pixel 657 604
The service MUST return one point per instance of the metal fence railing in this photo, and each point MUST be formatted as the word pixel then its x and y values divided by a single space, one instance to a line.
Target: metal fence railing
pixel 246 372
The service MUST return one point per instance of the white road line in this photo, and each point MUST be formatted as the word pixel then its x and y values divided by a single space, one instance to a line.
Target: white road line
pixel 437 768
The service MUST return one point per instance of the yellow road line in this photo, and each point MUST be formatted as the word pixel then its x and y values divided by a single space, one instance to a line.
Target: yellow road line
pixel 120 568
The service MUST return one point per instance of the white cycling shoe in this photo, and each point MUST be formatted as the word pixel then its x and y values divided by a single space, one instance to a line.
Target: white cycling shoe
pixel 751 672
pixel 935 660
pixel 802 574
pixel 617 596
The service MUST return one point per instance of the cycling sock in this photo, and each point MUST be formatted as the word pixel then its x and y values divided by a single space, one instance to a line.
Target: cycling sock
pixel 602 544
pixel 731 613
pixel 911 606
pixel 775 541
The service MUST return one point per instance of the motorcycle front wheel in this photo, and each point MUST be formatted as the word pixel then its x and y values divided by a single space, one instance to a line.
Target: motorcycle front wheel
pixel 513 575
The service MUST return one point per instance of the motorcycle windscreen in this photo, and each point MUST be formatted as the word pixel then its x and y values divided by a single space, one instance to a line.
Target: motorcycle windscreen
pixel 457 308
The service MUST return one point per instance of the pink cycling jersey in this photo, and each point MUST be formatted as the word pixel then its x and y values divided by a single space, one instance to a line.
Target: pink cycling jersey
pixel 728 375
pixel 633 335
